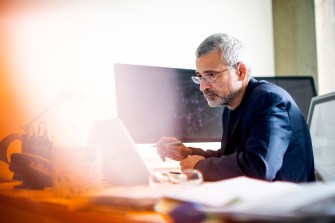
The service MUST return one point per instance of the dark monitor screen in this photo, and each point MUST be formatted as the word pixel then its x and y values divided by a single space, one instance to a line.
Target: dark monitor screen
pixel 158 101
pixel 301 88
pixel 321 122
pixel 153 102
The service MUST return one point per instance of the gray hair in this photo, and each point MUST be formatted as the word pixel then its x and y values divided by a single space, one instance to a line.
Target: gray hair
pixel 232 49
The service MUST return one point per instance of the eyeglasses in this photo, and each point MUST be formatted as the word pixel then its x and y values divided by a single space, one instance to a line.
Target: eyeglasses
pixel 209 78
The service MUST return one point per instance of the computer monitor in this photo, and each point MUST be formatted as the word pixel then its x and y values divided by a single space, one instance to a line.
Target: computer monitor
pixel 301 88
pixel 158 101
pixel 321 122
pixel 153 102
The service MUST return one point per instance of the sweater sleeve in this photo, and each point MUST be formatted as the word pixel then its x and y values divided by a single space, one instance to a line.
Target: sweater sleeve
pixel 205 153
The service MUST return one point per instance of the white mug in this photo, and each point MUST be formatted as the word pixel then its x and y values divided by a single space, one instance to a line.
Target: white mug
pixel 185 177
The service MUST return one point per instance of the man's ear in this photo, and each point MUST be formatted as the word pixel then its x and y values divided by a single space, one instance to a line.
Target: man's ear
pixel 241 70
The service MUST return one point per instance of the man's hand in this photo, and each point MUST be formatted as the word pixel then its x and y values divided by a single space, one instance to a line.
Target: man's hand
pixel 168 147
pixel 190 162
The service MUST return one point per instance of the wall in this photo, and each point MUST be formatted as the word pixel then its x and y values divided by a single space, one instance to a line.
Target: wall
pixel 294 38
pixel 325 35
pixel 304 33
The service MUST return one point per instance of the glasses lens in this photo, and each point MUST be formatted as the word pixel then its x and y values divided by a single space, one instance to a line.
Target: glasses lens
pixel 196 79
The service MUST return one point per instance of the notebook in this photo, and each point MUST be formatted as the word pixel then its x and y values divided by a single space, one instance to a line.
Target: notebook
pixel 122 165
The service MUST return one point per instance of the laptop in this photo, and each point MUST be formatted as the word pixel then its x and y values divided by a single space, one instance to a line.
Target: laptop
pixel 321 122
pixel 122 165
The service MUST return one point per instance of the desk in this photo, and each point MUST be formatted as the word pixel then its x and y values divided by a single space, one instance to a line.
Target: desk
pixel 31 206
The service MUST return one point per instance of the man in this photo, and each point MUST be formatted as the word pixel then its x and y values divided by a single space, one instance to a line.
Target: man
pixel 265 135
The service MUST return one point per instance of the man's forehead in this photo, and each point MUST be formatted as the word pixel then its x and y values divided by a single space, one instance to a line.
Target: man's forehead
pixel 209 62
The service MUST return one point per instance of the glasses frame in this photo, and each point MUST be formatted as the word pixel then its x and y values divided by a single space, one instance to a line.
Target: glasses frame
pixel 209 78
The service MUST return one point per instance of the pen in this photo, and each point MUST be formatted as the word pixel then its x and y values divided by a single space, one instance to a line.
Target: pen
pixel 170 143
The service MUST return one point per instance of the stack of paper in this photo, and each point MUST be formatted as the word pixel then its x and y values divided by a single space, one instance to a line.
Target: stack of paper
pixel 249 199
pixel 242 198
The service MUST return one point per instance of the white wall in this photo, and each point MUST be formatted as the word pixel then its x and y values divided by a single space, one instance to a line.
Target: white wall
pixel 325 36
pixel 74 44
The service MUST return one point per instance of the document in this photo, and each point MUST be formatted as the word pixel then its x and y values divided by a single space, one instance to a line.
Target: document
pixel 240 198
pixel 244 198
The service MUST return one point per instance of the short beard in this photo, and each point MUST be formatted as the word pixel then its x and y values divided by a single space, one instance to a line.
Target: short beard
pixel 221 101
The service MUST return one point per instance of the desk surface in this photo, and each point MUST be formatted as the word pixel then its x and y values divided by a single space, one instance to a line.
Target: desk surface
pixel 17 205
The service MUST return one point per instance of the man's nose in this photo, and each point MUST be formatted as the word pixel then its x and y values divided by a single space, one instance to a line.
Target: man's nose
pixel 203 86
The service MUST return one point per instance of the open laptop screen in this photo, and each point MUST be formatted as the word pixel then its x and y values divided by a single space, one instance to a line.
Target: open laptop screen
pixel 321 121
